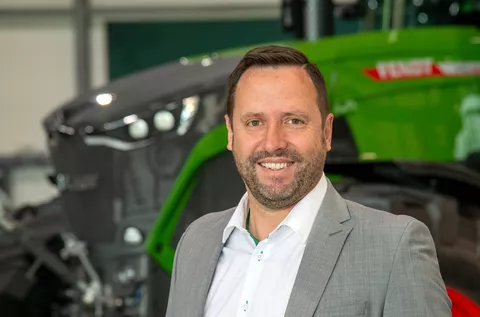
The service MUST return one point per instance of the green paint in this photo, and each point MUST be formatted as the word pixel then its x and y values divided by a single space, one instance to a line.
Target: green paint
pixel 419 118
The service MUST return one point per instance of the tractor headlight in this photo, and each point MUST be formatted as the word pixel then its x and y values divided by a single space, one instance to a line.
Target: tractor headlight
pixel 133 236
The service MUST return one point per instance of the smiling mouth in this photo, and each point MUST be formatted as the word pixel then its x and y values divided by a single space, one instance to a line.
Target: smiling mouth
pixel 276 166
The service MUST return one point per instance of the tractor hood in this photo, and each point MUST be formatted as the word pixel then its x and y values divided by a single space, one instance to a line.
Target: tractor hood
pixel 449 179
pixel 140 93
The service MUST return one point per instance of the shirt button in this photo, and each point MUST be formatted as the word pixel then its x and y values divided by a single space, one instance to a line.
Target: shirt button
pixel 245 306
pixel 260 256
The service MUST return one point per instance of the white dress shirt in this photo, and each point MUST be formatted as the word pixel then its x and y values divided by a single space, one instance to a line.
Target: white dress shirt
pixel 257 280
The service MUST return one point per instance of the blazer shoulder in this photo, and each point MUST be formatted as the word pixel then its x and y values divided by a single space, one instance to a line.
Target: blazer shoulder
pixel 378 220
pixel 384 232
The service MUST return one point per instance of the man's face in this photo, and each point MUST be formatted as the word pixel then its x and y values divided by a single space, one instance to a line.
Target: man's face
pixel 276 135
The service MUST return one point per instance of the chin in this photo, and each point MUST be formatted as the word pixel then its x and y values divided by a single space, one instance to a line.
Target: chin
pixel 276 185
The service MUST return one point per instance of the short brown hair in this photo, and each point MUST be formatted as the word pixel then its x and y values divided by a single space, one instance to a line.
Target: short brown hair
pixel 274 56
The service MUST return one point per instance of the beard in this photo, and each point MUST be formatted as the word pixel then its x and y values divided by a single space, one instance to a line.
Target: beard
pixel 308 171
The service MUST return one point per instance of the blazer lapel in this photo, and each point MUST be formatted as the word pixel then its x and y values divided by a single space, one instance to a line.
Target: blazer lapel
pixel 324 245
pixel 204 266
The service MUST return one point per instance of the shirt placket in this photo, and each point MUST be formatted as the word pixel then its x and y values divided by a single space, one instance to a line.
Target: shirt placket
pixel 252 279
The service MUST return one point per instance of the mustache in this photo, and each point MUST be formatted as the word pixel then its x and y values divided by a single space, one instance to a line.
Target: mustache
pixel 286 153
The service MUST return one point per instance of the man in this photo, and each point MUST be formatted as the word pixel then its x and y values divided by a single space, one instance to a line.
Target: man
pixel 293 246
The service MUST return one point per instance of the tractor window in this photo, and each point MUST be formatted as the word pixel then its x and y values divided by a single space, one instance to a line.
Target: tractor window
pixel 442 12
pixel 387 14
pixel 213 108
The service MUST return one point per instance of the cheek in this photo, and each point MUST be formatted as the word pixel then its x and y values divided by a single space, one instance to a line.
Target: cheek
pixel 306 141
pixel 308 145
pixel 242 145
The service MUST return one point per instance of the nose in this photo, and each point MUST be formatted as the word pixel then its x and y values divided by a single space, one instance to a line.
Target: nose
pixel 274 138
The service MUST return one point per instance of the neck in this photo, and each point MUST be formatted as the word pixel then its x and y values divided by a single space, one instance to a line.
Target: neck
pixel 263 220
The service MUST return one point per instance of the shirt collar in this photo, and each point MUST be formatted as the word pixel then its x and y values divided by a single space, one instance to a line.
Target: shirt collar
pixel 238 218
pixel 300 219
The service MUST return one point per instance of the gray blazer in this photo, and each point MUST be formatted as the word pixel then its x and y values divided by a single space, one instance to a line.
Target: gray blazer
pixel 357 262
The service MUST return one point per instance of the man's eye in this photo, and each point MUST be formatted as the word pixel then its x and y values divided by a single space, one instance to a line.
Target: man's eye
pixel 296 121
pixel 253 123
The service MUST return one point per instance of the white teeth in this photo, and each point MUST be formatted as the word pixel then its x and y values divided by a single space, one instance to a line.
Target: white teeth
pixel 275 166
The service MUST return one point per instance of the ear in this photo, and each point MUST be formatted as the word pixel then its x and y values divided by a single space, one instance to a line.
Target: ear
pixel 327 131
pixel 230 132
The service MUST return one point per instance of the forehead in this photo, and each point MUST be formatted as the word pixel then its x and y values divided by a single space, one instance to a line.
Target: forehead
pixel 274 87
pixel 278 75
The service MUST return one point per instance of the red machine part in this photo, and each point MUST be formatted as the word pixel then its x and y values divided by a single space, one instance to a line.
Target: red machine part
pixel 462 306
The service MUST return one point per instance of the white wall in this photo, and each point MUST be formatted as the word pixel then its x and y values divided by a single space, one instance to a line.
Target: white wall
pixel 29 185
pixel 37 74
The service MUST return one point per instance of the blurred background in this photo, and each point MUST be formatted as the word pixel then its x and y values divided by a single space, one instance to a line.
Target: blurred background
pixel 112 138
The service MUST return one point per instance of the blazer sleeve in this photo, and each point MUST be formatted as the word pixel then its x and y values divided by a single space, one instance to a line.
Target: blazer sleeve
pixel 173 293
pixel 415 287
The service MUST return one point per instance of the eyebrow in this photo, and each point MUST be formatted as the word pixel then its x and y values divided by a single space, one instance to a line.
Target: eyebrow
pixel 250 115
pixel 294 113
